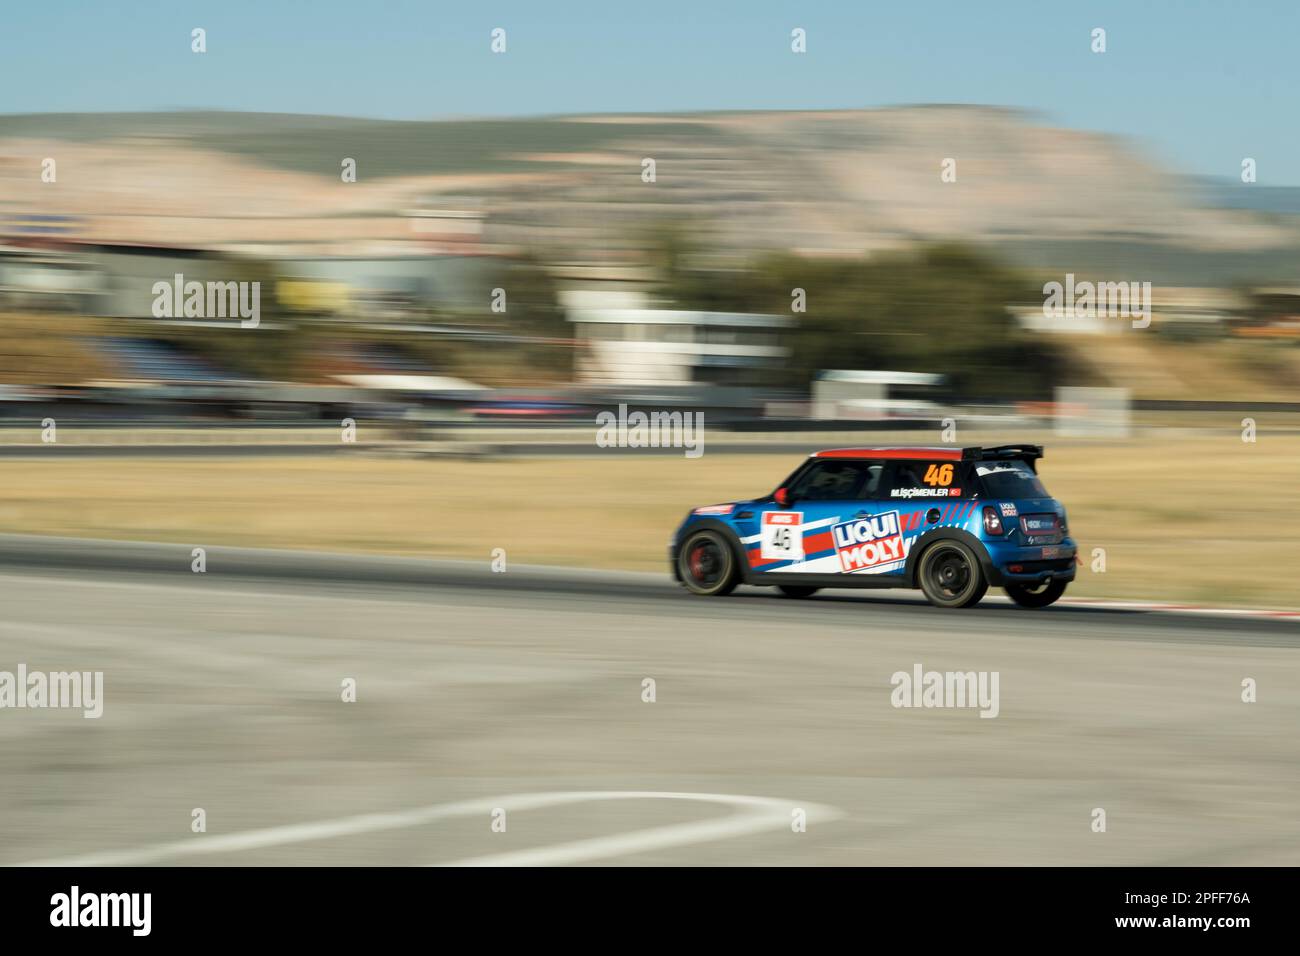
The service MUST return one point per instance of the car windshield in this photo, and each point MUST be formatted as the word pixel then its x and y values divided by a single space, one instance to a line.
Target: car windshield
pixel 1009 479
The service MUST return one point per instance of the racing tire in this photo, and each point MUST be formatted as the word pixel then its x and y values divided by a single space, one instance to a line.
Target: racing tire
pixel 1036 595
pixel 797 590
pixel 707 565
pixel 950 575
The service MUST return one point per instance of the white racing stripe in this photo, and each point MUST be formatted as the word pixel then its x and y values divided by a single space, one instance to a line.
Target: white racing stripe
pixel 755 814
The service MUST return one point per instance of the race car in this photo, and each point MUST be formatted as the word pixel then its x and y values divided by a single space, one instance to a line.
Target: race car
pixel 950 521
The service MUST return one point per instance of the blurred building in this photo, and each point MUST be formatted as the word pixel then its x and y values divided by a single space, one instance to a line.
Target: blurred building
pixel 116 280
pixel 37 278
pixel 388 286
pixel 853 394
pixel 623 342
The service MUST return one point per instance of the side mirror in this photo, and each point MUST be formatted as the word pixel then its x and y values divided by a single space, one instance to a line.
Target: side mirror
pixel 782 496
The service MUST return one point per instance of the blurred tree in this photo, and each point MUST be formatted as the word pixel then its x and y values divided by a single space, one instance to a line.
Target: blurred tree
pixel 938 308
pixel 532 308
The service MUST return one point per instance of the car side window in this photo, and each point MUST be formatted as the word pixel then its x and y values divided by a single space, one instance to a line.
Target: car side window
pixel 836 481
pixel 871 487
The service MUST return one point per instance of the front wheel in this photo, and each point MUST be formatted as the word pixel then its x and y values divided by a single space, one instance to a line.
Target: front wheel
pixel 950 575
pixel 797 590
pixel 707 565
pixel 1036 595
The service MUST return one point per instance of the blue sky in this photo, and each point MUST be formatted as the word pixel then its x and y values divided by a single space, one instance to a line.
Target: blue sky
pixel 1198 84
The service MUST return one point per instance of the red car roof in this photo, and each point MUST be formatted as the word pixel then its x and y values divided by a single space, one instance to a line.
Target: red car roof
pixel 938 454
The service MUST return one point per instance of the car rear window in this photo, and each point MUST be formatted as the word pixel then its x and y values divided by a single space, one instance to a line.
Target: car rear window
pixel 1009 479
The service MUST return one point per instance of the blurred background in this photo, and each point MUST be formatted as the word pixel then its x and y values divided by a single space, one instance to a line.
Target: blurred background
pixel 378 295
pixel 472 292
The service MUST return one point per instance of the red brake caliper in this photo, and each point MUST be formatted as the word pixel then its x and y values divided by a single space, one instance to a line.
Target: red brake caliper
pixel 697 563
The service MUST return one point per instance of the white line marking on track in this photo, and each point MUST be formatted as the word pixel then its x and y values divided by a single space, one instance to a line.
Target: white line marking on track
pixel 755 815
pixel 1157 607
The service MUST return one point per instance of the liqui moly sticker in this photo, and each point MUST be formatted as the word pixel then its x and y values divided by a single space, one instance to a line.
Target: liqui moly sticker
pixel 870 542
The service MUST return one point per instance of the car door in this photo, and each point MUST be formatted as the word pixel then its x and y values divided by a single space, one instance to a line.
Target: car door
pixel 799 538
pixel 922 495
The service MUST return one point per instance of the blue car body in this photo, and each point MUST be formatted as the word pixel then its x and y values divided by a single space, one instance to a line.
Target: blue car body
pixel 864 517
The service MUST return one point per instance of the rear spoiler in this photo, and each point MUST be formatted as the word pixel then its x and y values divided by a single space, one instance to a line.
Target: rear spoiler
pixel 1026 453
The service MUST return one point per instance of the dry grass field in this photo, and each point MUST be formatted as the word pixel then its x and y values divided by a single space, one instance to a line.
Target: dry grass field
pixel 1153 366
pixel 1179 519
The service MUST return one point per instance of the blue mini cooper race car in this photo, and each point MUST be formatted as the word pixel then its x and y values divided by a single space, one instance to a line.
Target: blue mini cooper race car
pixel 947 520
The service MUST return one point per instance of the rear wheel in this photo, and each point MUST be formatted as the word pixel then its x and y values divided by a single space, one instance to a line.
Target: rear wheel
pixel 950 575
pixel 797 590
pixel 707 565
pixel 1036 595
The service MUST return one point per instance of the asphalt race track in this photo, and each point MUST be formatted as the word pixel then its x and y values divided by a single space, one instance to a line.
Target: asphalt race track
pixel 523 692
